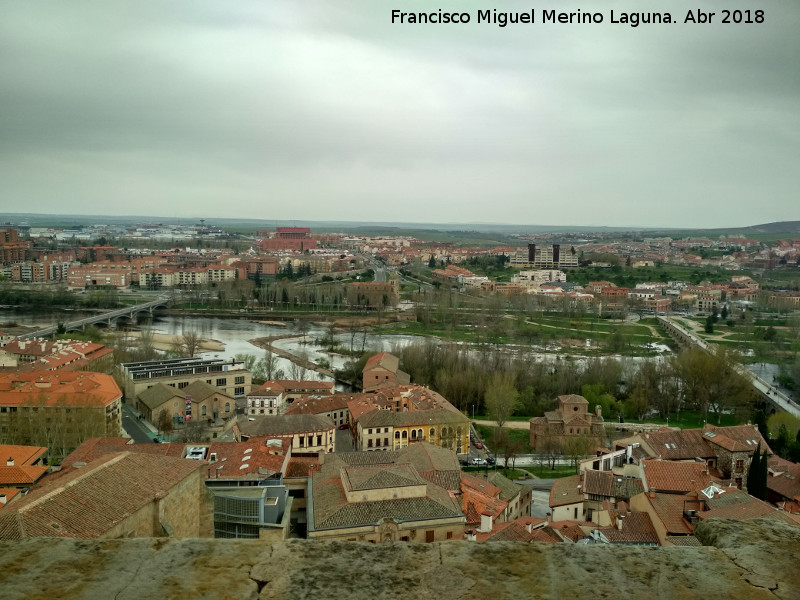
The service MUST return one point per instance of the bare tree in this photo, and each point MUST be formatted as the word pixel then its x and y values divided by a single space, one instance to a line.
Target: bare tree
pixel 502 398
pixel 189 343
pixel 164 421
pixel 270 364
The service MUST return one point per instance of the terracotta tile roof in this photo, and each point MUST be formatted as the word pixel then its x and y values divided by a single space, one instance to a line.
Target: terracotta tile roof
pixel 675 476
pixel 737 438
pixel 92 449
pixel 372 477
pixel 316 405
pixel 468 480
pixel 517 531
pixel 669 510
pixel 21 475
pixel 682 540
pixel 508 489
pixel 331 509
pixel 10 494
pixel 571 532
pixel 21 455
pixel 233 459
pixel 52 388
pixel 736 504
pixel 546 535
pixel 637 528
pixel 565 491
pixel 679 444
pixel 783 478
pixel 600 483
pixel 302 466
pixel 92 500
pixel 384 360
pixel 390 418
pixel 285 425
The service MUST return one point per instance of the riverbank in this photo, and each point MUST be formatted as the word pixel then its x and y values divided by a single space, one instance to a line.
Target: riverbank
pixel 167 342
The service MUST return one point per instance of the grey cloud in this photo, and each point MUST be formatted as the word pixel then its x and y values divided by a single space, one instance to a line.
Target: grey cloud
pixel 270 108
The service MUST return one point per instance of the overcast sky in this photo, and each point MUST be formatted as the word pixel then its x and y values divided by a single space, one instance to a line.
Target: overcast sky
pixel 305 109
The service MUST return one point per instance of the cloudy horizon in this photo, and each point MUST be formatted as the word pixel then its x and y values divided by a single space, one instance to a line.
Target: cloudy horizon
pixel 326 111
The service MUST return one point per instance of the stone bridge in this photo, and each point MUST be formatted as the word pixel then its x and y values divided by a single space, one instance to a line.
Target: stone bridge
pixel 108 319
pixel 772 398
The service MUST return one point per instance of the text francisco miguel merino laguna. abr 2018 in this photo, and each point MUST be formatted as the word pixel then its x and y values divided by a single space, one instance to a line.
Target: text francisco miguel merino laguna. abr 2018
pixel 493 16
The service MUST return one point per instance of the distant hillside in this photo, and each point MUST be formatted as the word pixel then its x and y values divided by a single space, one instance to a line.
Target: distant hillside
pixel 496 231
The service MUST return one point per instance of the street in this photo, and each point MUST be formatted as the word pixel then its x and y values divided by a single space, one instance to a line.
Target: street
pixel 135 428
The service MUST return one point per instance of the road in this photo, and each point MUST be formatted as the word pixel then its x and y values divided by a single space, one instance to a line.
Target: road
pixel 135 428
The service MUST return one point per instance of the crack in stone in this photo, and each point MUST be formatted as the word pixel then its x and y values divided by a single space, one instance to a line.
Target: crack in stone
pixel 133 578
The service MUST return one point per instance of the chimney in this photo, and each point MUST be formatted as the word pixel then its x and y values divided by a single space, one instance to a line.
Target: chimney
pixel 598 410
pixel 3 499
pixel 529 527
pixel 620 518
pixel 652 493
pixel 470 536
pixel 10 461
pixel 549 518
pixel 486 523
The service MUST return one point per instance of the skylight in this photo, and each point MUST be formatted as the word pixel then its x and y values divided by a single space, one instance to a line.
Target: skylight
pixel 710 434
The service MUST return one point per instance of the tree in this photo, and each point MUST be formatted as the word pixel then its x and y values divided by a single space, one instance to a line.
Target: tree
pixel 164 421
pixel 724 312
pixel 270 364
pixel 709 326
pixel 501 398
pixel 195 430
pixel 576 447
pixel 432 262
pixel 710 381
pixel 189 343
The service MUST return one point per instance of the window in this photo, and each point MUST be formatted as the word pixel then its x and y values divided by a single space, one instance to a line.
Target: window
pixel 222 382
pixel 429 535
pixel 740 465
pixel 449 535
pixel 227 407
pixel 239 391
pixel 369 431
pixel 396 434
pixel 183 384
pixel 203 410
pixel 385 441
pixel 433 432
pixel 239 380
pixel 405 435
pixel 575 513
pixel 369 443
pixel 319 440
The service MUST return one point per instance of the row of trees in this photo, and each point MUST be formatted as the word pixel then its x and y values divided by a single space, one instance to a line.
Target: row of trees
pixel 483 380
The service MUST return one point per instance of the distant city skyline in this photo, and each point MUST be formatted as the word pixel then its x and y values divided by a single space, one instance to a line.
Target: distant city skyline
pixel 323 111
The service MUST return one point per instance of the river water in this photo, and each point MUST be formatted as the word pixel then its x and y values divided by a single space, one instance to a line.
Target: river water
pixel 236 333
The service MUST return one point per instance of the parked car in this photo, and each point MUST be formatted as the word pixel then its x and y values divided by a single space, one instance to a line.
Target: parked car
pixel 491 460
pixel 479 461
pixel 479 446
pixel 344 426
